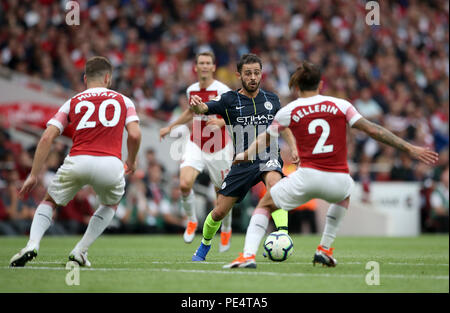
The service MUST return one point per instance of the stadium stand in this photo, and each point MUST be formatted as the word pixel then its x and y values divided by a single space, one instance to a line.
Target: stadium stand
pixel 396 73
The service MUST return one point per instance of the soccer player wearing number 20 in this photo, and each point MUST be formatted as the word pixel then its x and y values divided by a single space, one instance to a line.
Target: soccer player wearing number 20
pixel 99 116
pixel 319 125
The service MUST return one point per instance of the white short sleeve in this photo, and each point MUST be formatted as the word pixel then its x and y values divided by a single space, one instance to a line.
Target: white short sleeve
pixel 351 114
pixel 281 121
pixel 131 111
pixel 61 118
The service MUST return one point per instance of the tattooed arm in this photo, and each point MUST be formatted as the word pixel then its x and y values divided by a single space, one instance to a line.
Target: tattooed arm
pixel 383 135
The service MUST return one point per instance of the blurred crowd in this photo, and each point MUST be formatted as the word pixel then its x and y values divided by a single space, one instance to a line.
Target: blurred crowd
pixel 395 73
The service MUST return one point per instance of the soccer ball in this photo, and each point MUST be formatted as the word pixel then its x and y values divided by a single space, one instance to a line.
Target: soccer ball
pixel 278 246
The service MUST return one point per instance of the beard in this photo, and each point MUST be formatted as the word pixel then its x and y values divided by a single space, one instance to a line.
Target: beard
pixel 249 88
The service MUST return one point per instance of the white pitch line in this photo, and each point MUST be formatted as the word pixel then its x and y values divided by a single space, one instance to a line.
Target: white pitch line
pixel 46 262
pixel 235 272
pixel 260 263
pixel 398 263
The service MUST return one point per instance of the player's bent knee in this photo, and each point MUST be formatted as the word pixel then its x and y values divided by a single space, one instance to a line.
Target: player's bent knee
pixel 224 205
pixel 272 179
pixel 49 200
pixel 219 214
pixel 270 184
pixel 267 202
pixel 112 206
pixel 264 211
pixel 344 203
pixel 185 186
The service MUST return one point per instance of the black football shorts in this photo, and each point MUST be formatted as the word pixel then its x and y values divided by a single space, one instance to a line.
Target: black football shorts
pixel 244 176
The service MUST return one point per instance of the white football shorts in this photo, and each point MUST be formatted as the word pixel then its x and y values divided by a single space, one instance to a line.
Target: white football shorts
pixel 307 183
pixel 218 164
pixel 104 173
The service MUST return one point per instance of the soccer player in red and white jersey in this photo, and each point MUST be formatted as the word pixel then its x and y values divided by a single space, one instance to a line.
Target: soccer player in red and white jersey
pixel 319 125
pixel 99 116
pixel 209 146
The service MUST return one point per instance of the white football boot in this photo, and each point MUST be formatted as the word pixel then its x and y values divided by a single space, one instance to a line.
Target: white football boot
pixel 189 233
pixel 79 257
pixel 225 241
pixel 26 254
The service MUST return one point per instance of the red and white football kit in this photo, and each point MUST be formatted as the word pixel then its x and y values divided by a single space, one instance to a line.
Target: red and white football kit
pixel 99 116
pixel 319 125
pixel 208 149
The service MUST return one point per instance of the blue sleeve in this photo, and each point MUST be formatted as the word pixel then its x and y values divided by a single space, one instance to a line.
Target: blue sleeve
pixel 217 105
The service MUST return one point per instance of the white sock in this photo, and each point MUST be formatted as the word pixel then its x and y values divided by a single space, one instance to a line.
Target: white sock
pixel 226 222
pixel 335 216
pixel 97 224
pixel 188 204
pixel 41 222
pixel 255 232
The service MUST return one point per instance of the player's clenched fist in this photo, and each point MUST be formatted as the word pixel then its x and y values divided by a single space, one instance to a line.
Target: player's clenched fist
pixel 197 105
pixel 195 100
pixel 163 132
pixel 130 167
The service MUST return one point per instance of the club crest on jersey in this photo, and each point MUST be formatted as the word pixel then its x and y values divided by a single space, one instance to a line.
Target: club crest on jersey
pixel 273 163
pixel 224 185
pixel 268 105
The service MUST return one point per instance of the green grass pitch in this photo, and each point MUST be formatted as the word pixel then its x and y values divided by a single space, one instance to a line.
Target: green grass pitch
pixel 162 264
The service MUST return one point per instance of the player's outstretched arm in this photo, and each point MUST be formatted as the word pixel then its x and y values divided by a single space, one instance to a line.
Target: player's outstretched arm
pixel 41 154
pixel 383 135
pixel 184 118
pixel 198 105
pixel 133 144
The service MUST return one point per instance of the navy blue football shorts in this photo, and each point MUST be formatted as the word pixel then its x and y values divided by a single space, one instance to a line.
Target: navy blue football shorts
pixel 244 176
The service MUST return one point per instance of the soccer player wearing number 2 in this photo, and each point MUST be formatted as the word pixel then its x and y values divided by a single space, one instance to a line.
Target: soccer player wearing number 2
pixel 99 116
pixel 319 125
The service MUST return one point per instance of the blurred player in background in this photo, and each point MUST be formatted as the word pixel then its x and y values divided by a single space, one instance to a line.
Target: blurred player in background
pixel 319 124
pixel 208 147
pixel 249 111
pixel 99 116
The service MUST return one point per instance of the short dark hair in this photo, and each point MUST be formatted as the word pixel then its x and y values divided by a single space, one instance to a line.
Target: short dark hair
pixel 306 77
pixel 248 58
pixel 206 53
pixel 97 67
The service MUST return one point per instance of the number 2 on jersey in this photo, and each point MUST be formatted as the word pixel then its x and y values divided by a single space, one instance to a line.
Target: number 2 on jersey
pixel 85 123
pixel 320 145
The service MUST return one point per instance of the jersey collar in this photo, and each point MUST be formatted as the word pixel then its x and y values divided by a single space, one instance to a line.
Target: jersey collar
pixel 259 92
